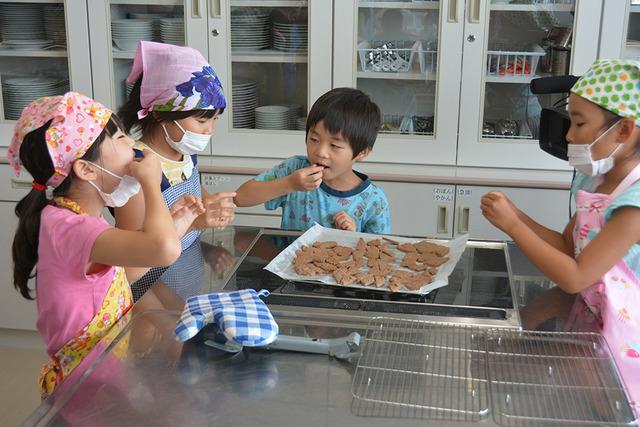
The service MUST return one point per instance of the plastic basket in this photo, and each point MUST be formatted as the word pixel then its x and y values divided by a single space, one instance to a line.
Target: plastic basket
pixel 395 56
pixel 514 63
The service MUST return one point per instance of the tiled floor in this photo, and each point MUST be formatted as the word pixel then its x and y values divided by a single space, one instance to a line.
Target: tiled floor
pixel 21 357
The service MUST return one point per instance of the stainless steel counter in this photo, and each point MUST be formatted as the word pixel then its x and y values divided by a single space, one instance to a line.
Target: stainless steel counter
pixel 146 377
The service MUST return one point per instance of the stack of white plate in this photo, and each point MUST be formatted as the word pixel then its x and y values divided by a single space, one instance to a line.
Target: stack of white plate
pixel 272 117
pixel 127 88
pixel 27 44
pixel 172 31
pixel 245 100
pixel 20 91
pixel 54 24
pixel 126 33
pixel 290 37
pixel 154 17
pixel 301 123
pixel 250 30
pixel 21 21
pixel 295 111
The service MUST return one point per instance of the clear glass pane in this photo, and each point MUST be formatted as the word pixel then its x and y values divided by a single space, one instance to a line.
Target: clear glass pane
pixel 131 23
pixel 269 68
pixel 33 54
pixel 526 39
pixel 632 45
pixel 397 62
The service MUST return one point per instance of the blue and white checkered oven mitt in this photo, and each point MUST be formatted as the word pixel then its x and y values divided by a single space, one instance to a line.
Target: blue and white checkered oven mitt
pixel 241 316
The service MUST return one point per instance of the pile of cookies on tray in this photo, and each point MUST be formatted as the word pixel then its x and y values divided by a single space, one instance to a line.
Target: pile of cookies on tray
pixel 373 263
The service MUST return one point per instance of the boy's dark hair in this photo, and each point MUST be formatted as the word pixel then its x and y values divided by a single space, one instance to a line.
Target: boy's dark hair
pixel 350 113
pixel 128 113
pixel 36 159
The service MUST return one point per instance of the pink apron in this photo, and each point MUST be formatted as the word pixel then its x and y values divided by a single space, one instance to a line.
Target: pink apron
pixel 611 306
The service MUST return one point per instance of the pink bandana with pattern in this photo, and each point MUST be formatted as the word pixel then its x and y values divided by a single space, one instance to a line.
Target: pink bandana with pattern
pixel 76 122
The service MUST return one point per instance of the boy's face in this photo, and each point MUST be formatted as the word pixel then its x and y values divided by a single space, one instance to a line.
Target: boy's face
pixel 331 151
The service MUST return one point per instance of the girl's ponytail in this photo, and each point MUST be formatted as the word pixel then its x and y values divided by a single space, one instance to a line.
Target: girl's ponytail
pixel 128 113
pixel 35 158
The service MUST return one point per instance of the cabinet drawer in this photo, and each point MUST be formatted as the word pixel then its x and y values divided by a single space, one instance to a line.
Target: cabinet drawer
pixel 547 207
pixel 13 188
pixel 215 183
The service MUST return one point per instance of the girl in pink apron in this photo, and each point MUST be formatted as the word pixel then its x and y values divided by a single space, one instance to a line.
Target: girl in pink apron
pixel 597 256
pixel 81 161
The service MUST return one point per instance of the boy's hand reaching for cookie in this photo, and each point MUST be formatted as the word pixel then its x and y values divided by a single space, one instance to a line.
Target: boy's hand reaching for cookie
pixel 306 179
pixel 499 210
pixel 343 221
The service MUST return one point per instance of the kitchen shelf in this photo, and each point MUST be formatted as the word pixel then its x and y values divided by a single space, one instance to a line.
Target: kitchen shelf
pixel 533 7
pixel 515 79
pixel 123 54
pixel 399 5
pixel 635 8
pixel 150 2
pixel 37 1
pixel 395 76
pixel 269 55
pixel 14 53
pixel 269 3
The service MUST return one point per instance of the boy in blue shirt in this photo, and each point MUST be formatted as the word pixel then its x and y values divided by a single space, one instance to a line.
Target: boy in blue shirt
pixel 322 187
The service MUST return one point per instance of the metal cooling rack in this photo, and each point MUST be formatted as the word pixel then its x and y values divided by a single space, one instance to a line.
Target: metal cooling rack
pixel 412 369
pixel 418 369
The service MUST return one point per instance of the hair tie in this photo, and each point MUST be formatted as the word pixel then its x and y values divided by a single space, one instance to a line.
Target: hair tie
pixel 37 186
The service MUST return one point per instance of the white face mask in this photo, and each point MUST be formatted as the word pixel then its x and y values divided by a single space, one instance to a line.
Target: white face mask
pixel 580 157
pixel 190 143
pixel 127 188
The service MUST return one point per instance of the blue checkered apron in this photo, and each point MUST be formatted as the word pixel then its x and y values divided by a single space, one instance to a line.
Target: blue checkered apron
pixel 171 194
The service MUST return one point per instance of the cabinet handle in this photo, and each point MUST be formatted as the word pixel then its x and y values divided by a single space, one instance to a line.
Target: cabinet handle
pixel 453 11
pixel 474 12
pixel 442 225
pixel 216 11
pixel 463 221
pixel 19 184
pixel 195 11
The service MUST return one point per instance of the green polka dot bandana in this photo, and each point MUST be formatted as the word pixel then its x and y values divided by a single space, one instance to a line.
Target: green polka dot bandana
pixel 613 84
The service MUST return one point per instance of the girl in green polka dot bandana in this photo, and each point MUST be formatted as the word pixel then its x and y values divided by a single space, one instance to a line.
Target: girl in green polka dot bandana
pixel 604 106
pixel 597 255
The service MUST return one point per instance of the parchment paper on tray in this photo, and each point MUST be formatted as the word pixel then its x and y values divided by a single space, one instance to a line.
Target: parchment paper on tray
pixel 282 265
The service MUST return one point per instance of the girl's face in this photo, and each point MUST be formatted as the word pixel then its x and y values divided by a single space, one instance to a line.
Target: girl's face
pixel 588 122
pixel 201 125
pixel 116 155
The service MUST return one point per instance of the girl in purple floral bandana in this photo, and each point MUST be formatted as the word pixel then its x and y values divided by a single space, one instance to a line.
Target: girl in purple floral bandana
pixel 174 105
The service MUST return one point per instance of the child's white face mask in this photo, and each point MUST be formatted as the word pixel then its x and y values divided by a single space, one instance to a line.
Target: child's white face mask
pixel 580 157
pixel 127 188
pixel 190 143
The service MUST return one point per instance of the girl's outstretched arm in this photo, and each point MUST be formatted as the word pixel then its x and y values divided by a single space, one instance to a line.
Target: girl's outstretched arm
pixel 571 275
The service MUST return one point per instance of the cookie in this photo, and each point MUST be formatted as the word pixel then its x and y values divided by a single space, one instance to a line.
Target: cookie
pixel 433 260
pixel 343 277
pixel 393 242
pixel 406 247
pixel 365 279
pixel 325 245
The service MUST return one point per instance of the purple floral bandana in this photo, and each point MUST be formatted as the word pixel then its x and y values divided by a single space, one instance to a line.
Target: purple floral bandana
pixel 175 78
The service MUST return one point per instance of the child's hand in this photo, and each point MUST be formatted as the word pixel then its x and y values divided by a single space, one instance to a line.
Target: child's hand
pixel 184 212
pixel 499 210
pixel 218 211
pixel 147 170
pixel 306 179
pixel 218 257
pixel 343 221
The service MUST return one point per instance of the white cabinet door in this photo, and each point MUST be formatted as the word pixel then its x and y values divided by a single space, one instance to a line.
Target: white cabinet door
pixel 420 209
pixel 117 25
pixel 502 52
pixel 620 41
pixel 547 207
pixel 274 56
pixel 49 54
pixel 15 311
pixel 406 56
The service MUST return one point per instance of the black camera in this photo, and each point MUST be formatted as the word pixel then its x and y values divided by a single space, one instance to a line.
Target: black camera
pixel 554 122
